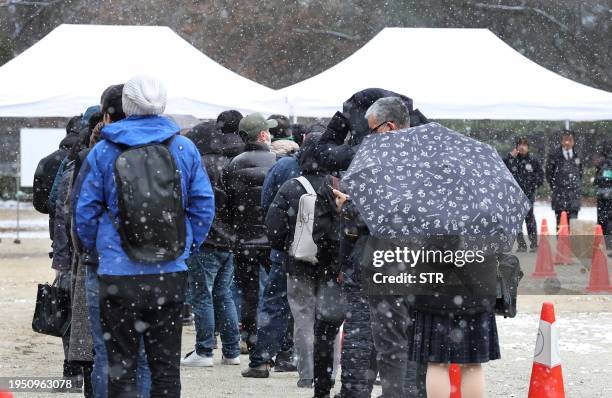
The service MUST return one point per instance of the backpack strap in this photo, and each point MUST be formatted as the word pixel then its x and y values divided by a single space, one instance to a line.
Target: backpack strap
pixel 306 184
pixel 168 141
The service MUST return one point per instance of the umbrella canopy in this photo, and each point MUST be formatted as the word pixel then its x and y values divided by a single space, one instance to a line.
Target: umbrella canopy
pixel 430 180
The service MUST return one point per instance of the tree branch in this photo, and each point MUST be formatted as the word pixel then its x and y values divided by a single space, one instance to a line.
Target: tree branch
pixel 326 32
pixel 538 11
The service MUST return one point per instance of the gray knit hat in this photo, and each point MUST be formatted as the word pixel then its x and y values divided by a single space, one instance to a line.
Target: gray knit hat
pixel 144 95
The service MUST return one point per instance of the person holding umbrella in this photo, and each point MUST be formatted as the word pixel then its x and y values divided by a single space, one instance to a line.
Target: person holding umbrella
pixel 430 182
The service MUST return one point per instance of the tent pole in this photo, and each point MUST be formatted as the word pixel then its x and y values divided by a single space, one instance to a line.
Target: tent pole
pixel 567 124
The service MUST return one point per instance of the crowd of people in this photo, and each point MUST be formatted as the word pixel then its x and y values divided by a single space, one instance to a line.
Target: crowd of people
pixel 243 222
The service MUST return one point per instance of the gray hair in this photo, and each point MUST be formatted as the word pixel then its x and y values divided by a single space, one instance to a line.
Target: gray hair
pixel 390 109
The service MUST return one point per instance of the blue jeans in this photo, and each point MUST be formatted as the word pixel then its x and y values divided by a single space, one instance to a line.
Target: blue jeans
pixel 210 277
pixel 273 317
pixel 99 374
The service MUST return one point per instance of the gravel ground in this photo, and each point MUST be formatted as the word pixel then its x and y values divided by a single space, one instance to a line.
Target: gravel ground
pixel 585 324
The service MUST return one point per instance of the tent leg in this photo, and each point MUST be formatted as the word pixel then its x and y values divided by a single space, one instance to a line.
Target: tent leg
pixel 567 124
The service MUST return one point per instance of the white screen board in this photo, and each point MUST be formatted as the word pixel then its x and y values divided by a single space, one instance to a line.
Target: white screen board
pixel 35 144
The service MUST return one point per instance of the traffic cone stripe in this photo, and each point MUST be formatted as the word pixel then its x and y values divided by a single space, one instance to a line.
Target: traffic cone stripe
pixel 546 374
pixel 547 345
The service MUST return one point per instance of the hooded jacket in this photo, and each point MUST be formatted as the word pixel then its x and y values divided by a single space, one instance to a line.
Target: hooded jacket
pixel 217 150
pixel 98 193
pixel 335 154
pixel 282 214
pixel 47 170
pixel 243 179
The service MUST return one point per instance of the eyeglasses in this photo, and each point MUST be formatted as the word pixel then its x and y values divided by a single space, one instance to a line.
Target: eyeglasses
pixel 375 129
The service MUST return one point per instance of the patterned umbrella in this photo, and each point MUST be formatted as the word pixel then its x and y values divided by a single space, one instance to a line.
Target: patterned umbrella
pixel 430 180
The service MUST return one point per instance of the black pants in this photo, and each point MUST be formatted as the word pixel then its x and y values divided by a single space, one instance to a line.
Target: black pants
pixel 604 218
pixel 391 330
pixel 149 306
pixel 329 316
pixel 532 230
pixel 247 281
pixel 570 214
pixel 358 362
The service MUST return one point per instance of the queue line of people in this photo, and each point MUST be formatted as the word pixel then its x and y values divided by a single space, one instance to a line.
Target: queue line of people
pixel 229 206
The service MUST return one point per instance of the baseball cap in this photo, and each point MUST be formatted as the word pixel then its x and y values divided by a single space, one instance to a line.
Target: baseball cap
pixel 254 123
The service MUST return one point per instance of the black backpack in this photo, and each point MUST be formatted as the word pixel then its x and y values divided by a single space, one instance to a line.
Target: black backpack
pixel 149 194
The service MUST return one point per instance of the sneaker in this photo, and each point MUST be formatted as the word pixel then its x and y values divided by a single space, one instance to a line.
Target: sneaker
pixel 194 360
pixel 304 383
pixel 260 372
pixel 230 361
pixel 521 249
pixel 533 248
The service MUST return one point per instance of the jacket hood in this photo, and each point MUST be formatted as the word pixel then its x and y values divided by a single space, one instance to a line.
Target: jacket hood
pixel 140 130
pixel 284 147
pixel 217 143
pixel 354 110
pixel 69 141
pixel 308 159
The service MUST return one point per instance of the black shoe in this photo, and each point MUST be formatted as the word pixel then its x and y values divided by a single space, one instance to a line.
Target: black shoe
pixel 533 248
pixel 284 362
pixel 521 249
pixel 261 372
pixel 187 314
pixel 304 383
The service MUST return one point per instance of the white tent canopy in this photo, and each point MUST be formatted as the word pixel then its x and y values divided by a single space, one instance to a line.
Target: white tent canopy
pixel 60 76
pixel 450 74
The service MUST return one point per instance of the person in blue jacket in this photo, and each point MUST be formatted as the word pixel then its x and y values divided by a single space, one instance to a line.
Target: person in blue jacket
pixel 139 298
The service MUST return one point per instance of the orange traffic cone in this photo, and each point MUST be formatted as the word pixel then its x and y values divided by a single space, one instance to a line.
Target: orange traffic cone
pixel 544 265
pixel 599 280
pixel 564 246
pixel 455 380
pixel 546 374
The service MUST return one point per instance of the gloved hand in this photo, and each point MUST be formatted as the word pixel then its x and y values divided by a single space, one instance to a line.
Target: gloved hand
pixel 337 128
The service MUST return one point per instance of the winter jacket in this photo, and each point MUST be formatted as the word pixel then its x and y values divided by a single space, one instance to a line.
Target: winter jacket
pixel 62 245
pixel 285 169
pixel 217 150
pixel 355 108
pixel 200 133
pixel 282 214
pixel 565 179
pixel 326 229
pixel 243 179
pixel 284 148
pixel 47 170
pixel 527 171
pixel 99 193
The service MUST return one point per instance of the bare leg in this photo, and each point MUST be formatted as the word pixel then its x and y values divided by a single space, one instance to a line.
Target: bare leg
pixel 438 381
pixel 472 381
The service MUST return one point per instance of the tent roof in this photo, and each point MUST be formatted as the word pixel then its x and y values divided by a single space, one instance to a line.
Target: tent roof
pixel 61 75
pixel 450 74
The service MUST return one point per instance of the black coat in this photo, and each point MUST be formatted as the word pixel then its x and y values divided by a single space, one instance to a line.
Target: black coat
pixel 565 180
pixel 282 214
pixel 335 154
pixel 217 150
pixel 46 171
pixel 527 171
pixel 243 180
